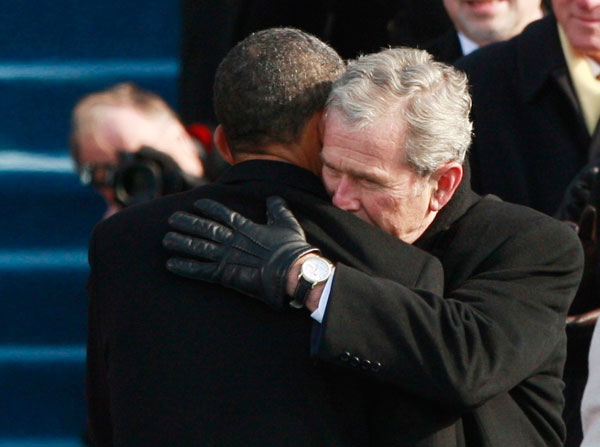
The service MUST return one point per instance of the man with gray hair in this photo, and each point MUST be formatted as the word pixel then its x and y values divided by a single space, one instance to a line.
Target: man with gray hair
pixel 484 357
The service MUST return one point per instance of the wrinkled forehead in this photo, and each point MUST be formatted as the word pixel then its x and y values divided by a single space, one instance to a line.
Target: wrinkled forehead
pixel 379 144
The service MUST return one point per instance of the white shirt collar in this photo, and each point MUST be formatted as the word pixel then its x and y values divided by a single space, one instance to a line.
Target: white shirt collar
pixel 595 66
pixel 466 44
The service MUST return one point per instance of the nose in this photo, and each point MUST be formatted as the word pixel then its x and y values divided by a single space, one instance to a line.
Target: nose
pixel 345 195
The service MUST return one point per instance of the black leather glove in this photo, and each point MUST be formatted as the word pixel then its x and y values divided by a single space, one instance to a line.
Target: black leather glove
pixel 580 193
pixel 228 249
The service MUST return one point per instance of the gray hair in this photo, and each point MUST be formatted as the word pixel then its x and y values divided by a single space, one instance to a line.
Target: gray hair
pixel 270 84
pixel 432 99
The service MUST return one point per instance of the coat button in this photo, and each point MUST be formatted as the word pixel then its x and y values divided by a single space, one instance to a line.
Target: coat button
pixel 345 356
pixel 365 365
pixel 355 361
pixel 376 367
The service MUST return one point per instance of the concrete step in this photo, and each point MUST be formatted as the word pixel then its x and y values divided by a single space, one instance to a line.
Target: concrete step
pixel 43 394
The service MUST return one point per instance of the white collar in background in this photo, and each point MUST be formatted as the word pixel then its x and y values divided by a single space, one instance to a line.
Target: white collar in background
pixel 467 45
pixel 595 66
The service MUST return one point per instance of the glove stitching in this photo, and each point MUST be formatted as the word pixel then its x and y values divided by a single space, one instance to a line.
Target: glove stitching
pixel 245 250
pixel 251 238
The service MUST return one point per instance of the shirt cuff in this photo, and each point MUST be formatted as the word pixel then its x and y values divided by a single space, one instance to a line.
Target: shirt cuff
pixel 319 313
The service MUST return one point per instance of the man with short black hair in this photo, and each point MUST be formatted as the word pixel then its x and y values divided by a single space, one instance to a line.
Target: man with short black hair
pixel 171 363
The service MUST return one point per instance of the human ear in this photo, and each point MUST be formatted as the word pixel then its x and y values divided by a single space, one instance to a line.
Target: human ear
pixel 446 180
pixel 220 140
pixel 321 127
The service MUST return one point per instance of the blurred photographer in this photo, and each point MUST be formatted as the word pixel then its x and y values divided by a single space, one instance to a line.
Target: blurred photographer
pixel 129 144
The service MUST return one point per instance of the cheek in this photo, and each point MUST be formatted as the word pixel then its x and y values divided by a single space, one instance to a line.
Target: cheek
pixel 383 209
pixel 329 182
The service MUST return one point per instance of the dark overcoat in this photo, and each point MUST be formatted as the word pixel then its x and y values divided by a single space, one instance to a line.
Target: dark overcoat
pixel 490 351
pixel 530 137
pixel 174 362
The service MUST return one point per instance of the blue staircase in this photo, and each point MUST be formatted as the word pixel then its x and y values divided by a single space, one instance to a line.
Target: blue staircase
pixel 52 52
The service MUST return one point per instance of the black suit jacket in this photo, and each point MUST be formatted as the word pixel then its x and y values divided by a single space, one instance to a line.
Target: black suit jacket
pixel 445 48
pixel 175 362
pixel 530 136
pixel 490 350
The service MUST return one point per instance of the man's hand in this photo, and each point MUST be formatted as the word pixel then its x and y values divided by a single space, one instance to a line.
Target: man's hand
pixel 579 194
pixel 224 247
pixel 587 298
pixel 579 207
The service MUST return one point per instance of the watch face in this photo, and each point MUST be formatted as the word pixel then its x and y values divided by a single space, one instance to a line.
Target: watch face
pixel 316 270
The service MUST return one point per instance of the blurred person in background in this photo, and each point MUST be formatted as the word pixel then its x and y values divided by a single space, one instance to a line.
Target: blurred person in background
pixel 130 145
pixel 481 22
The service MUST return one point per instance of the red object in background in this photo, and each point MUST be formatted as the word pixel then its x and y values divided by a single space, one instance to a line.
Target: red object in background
pixel 203 134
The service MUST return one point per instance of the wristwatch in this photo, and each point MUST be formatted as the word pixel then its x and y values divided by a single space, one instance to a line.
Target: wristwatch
pixel 314 271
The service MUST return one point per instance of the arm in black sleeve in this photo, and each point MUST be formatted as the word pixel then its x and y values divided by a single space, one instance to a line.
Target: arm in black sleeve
pixel 489 331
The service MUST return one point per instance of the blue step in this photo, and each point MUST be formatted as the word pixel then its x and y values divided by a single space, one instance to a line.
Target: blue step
pixel 78 29
pixel 53 52
pixel 45 208
pixel 43 297
pixel 37 99
pixel 43 392
pixel 41 442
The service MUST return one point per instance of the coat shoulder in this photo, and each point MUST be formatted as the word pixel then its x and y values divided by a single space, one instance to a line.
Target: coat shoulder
pixel 504 220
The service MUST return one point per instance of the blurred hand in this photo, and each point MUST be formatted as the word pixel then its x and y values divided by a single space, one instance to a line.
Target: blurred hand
pixel 584 310
pixel 579 194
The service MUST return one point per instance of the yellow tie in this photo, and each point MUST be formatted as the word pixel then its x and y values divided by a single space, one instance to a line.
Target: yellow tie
pixel 587 86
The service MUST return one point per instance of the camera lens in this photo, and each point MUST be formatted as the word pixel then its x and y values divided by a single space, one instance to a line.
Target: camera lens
pixel 137 183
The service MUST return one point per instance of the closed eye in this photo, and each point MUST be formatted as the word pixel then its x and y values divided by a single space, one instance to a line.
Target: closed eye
pixel 331 171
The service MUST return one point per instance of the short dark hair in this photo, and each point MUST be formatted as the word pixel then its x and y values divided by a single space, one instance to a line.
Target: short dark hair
pixel 270 84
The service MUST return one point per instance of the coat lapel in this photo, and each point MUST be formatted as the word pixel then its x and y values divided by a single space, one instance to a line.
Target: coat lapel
pixel 541 62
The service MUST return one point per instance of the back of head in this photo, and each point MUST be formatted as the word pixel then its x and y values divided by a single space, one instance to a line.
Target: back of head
pixel 270 84
pixel 430 98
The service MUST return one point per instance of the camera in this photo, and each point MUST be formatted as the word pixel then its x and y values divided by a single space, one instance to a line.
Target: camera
pixel 139 176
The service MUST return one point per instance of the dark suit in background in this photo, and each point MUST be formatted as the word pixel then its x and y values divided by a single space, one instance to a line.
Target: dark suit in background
pixel 174 362
pixel 211 27
pixel 445 48
pixel 530 136
pixel 530 141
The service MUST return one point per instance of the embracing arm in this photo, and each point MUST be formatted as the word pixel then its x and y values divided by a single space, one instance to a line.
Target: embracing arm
pixel 499 322
pixel 483 337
